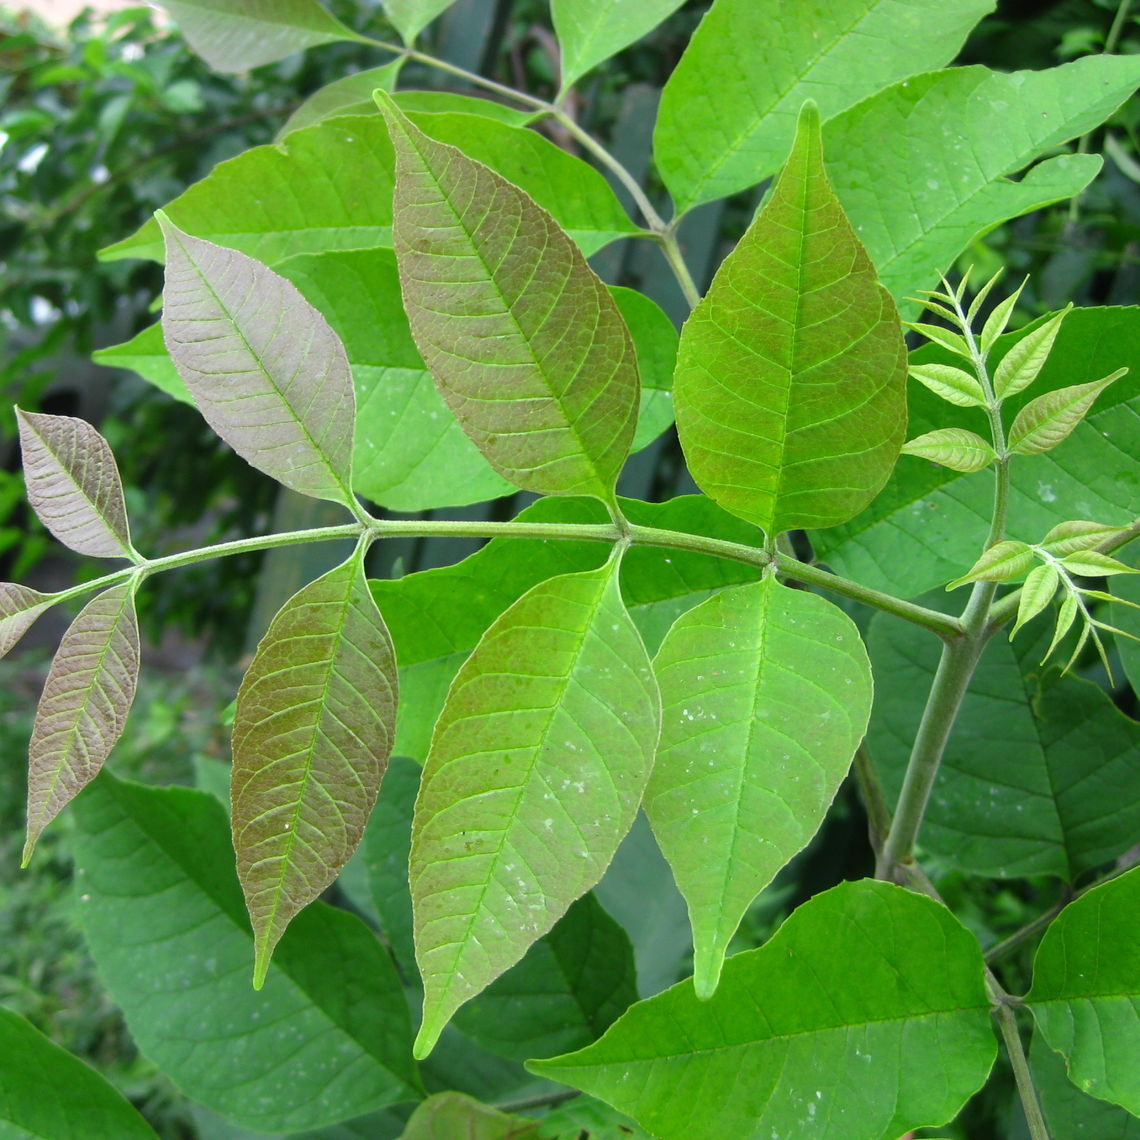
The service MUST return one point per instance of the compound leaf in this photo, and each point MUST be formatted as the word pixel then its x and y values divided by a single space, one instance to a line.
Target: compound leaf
pixel 536 770
pixel 19 608
pixel 73 484
pixel 1086 984
pixel 238 35
pixel 729 108
pixel 266 371
pixel 46 1092
pixel 526 344
pixel 790 393
pixel 930 522
pixel 84 706
pixel 326 1039
pixel 313 730
pixel 765 694
pixel 788 1046
pixel 590 31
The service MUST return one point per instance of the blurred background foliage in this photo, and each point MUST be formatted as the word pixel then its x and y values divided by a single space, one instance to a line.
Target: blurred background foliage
pixel 104 121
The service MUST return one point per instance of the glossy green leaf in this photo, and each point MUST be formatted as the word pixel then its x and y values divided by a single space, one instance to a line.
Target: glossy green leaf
pixel 728 110
pixel 1020 366
pixel 1005 561
pixel 527 346
pixel 19 608
pixel 437 616
pixel 536 770
pixel 1049 419
pixel 765 695
pixel 1070 1112
pixel 930 522
pixel 312 733
pixel 1041 774
pixel 571 985
pixel 73 484
pixel 997 321
pixel 265 369
pixel 952 384
pixel 84 705
pixel 948 141
pixel 790 393
pixel 453 1115
pixel 956 448
pixel 347 167
pixel 47 1093
pixel 145 353
pixel 1086 990
pixel 348 94
pixel 788 1045
pixel 951 341
pixel 590 31
pixel 327 1039
pixel 410 17
pixel 238 35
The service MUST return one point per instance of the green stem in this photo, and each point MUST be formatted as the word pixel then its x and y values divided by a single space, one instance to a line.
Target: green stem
pixel 676 259
pixel 1007 1023
pixel 621 532
pixel 874 802
pixel 1028 931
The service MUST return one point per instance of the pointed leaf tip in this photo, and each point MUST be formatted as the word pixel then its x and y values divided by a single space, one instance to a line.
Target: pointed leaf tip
pixel 313 730
pixel 267 372
pixel 84 706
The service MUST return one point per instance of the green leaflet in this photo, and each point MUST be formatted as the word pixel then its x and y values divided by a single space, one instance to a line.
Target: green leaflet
pixel 788 1045
pixel 1127 618
pixel 265 369
pixel 527 346
pixel 590 31
pixel 410 17
pixel 1086 979
pixel 145 353
pixel 928 525
pixel 1048 420
pixel 765 694
pixel 84 705
pixel 238 35
pixel 346 165
pixel 1070 1112
pixel 536 770
pixel 946 143
pixel 46 1092
pixel 326 1039
pixel 729 108
pixel 312 733
pixel 437 616
pixel 1041 774
pixel 73 484
pixel 790 387
pixel 956 448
